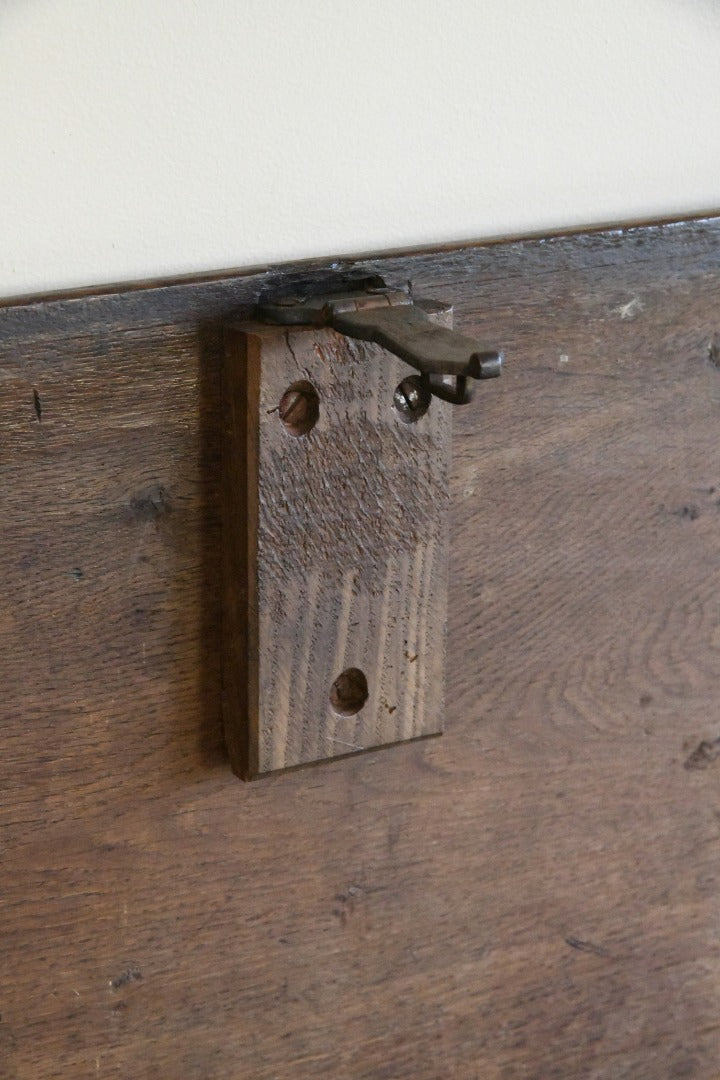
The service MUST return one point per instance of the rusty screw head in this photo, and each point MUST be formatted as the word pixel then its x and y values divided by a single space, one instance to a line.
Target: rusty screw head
pixel 299 408
pixel 412 399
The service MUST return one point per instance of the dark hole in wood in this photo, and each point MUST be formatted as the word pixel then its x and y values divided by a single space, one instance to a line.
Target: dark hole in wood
pixel 349 692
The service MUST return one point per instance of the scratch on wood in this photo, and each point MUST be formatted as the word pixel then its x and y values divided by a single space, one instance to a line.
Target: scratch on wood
pixel 631 309
pixel 38 406
pixel 714 351
pixel 353 745
pixel 689 511
pixel 704 754
pixel 292 351
pixel 586 946
pixel 133 974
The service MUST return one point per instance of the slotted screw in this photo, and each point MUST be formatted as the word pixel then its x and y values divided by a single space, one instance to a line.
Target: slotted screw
pixel 299 408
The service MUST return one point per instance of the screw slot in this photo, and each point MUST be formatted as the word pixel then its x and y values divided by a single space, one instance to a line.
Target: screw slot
pixel 412 399
pixel 299 408
pixel 349 692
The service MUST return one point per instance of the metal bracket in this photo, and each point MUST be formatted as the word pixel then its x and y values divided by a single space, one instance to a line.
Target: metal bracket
pixel 364 307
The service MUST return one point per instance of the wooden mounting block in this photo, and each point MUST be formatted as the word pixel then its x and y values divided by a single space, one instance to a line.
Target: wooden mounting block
pixel 335 545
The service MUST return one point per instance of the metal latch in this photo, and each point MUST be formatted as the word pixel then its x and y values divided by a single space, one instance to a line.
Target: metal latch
pixel 364 307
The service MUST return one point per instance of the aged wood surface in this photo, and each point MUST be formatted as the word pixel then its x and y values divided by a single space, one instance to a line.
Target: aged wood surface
pixel 336 552
pixel 534 894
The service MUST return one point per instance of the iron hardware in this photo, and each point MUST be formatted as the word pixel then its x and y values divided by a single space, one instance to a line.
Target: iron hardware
pixel 364 307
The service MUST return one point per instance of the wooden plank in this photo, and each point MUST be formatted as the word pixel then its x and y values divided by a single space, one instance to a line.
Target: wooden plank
pixel 536 893
pixel 336 552
pixel 449 272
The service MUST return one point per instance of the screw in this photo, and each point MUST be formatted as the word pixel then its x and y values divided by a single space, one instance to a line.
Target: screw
pixel 299 408
pixel 411 399
pixel 293 407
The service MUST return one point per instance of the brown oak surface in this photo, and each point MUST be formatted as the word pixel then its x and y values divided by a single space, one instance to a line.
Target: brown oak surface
pixel 536 893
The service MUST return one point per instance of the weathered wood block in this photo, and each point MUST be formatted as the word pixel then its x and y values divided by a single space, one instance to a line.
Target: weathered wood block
pixel 335 551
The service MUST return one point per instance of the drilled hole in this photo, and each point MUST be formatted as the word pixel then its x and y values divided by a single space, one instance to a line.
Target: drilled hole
pixel 412 399
pixel 349 692
pixel 299 408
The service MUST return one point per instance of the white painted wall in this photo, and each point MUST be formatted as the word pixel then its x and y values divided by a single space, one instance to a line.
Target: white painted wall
pixel 153 137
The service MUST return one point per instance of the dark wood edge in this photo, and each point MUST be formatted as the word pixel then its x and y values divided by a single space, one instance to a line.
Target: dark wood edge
pixel 240 669
pixel 600 230
pixel 324 762
pixel 218 294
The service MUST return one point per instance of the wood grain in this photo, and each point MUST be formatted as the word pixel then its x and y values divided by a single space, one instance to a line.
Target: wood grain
pixel 340 564
pixel 535 894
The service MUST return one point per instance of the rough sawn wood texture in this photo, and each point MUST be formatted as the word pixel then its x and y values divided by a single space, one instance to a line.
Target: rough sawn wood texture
pixel 534 894
pixel 336 551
